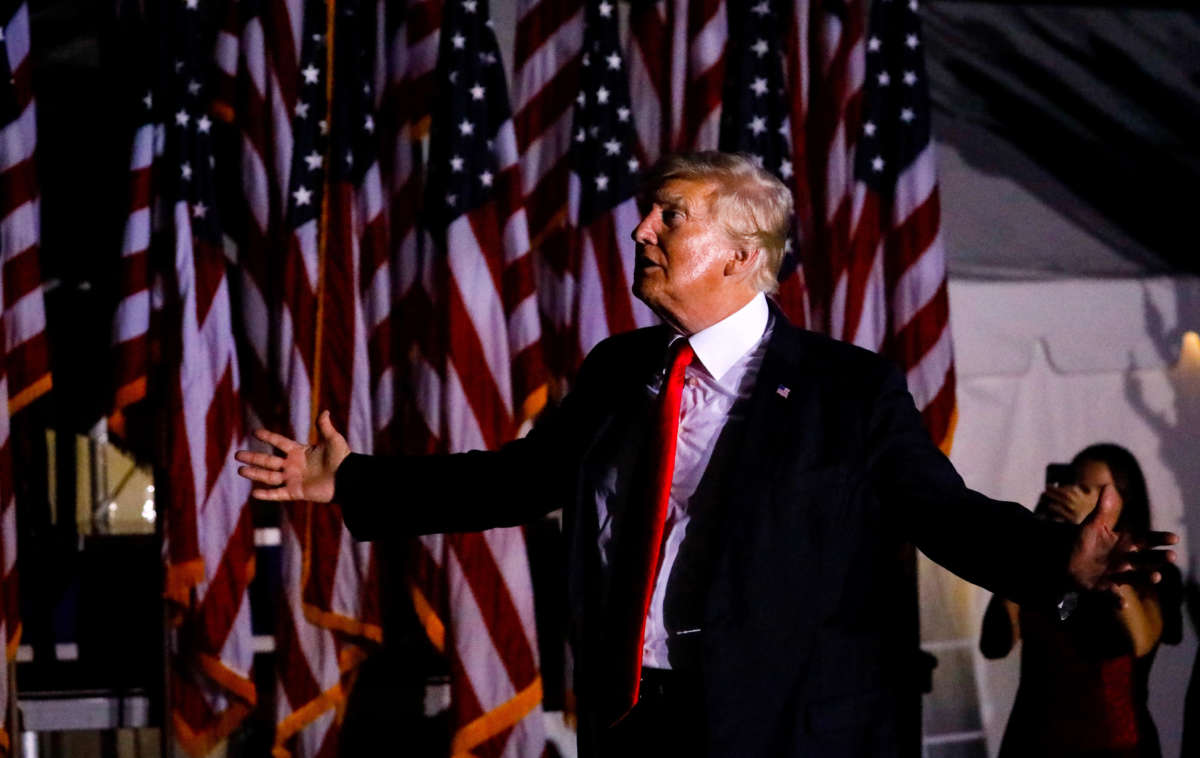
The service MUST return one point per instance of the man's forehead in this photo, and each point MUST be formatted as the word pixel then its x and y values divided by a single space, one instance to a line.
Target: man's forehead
pixel 693 194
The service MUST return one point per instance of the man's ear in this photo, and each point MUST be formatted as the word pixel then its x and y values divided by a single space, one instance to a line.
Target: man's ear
pixel 741 261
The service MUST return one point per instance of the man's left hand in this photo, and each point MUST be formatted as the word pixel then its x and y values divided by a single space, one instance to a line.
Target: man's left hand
pixel 1103 558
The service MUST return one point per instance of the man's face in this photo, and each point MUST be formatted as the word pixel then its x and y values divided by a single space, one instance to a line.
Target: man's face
pixel 682 254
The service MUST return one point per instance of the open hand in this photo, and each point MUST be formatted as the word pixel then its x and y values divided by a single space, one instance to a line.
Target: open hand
pixel 303 472
pixel 1103 558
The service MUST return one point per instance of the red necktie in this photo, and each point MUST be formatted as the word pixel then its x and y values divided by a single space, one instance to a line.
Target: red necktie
pixel 635 568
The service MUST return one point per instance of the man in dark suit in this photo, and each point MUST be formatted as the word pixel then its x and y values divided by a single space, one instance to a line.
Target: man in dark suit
pixel 726 596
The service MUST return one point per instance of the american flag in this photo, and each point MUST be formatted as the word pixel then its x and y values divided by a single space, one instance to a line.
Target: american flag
pixel 413 39
pixel 549 42
pixel 873 258
pixel 27 359
pixel 895 171
pixel 315 294
pixel 603 182
pixel 755 118
pixel 174 326
pixel 677 74
pixel 871 266
pixel 477 376
pixel 24 358
pixel 413 44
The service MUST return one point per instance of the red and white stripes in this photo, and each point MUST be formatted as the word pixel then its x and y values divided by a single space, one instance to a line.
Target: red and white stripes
pixel 24 357
pixel 316 304
pixel 24 316
pixel 677 72
pixel 874 264
pixel 477 373
pixel 605 304
pixel 210 537
pixel 549 41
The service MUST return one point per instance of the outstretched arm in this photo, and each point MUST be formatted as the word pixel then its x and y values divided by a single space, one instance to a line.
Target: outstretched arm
pixel 303 472
pixel 998 545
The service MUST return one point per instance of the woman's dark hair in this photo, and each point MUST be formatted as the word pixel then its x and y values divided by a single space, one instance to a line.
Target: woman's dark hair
pixel 1127 476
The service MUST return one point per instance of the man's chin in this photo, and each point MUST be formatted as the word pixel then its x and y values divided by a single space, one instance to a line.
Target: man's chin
pixel 640 289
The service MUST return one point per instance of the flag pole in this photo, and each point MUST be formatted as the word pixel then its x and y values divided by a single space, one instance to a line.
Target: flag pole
pixel 323 224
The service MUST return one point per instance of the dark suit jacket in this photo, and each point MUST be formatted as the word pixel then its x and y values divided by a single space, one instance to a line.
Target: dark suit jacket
pixel 829 473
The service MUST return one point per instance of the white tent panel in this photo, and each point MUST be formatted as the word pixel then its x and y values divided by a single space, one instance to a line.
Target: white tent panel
pixel 1046 368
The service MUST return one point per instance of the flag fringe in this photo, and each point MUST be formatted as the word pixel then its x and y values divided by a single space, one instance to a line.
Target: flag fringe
pixel 494 721
pixel 201 742
pixel 502 717
pixel 535 402
pixel 124 397
pixel 947 441
pixel 233 682
pixel 26 396
pixel 341 623
pixel 435 629
pixel 349 659
pixel 180 579
pixel 14 641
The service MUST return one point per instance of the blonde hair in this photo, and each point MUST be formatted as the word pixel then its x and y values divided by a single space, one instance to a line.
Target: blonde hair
pixel 753 206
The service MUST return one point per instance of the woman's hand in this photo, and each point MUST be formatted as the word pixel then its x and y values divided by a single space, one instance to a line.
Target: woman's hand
pixel 1069 503
pixel 303 472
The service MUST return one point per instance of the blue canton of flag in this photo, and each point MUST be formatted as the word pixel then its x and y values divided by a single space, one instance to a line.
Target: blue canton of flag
pixel 602 135
pixel 754 111
pixel 310 127
pixel 895 127
pixel 463 165
pixel 355 128
pixel 189 138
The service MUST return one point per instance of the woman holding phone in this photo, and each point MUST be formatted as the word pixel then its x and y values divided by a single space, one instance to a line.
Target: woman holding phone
pixel 1083 687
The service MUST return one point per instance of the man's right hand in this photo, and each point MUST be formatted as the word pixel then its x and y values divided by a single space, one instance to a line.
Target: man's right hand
pixel 303 472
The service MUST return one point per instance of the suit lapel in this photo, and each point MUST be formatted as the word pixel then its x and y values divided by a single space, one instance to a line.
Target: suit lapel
pixel 782 411
pixel 622 430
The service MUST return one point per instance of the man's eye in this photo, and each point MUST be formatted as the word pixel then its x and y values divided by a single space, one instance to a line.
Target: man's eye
pixel 670 216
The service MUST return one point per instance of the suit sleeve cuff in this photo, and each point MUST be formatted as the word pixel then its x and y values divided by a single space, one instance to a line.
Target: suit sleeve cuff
pixel 350 487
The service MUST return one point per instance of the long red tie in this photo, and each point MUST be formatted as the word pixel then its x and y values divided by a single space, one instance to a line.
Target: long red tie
pixel 635 569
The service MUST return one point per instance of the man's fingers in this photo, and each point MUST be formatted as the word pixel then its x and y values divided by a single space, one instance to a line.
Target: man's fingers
pixel 1158 539
pixel 325 425
pixel 278 441
pixel 255 474
pixel 1148 558
pixel 261 460
pixel 1108 507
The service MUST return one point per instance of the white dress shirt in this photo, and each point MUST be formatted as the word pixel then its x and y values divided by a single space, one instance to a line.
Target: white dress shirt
pixel 728 355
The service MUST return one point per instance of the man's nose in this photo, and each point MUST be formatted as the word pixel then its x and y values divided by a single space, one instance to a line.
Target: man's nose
pixel 643 233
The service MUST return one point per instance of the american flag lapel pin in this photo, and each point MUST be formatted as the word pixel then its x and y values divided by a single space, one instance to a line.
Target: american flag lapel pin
pixel 783 392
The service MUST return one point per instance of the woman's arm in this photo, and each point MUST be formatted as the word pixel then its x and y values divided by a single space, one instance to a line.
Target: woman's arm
pixel 1001 628
pixel 1141 617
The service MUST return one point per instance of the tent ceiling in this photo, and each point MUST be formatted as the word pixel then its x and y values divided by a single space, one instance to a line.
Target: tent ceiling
pixel 1092 111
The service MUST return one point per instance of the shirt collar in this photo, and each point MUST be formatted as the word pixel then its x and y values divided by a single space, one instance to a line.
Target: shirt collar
pixel 721 345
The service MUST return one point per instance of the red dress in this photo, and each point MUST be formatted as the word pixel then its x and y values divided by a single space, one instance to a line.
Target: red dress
pixel 1082 692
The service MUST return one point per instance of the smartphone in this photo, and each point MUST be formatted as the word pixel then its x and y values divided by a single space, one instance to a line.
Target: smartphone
pixel 1059 474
